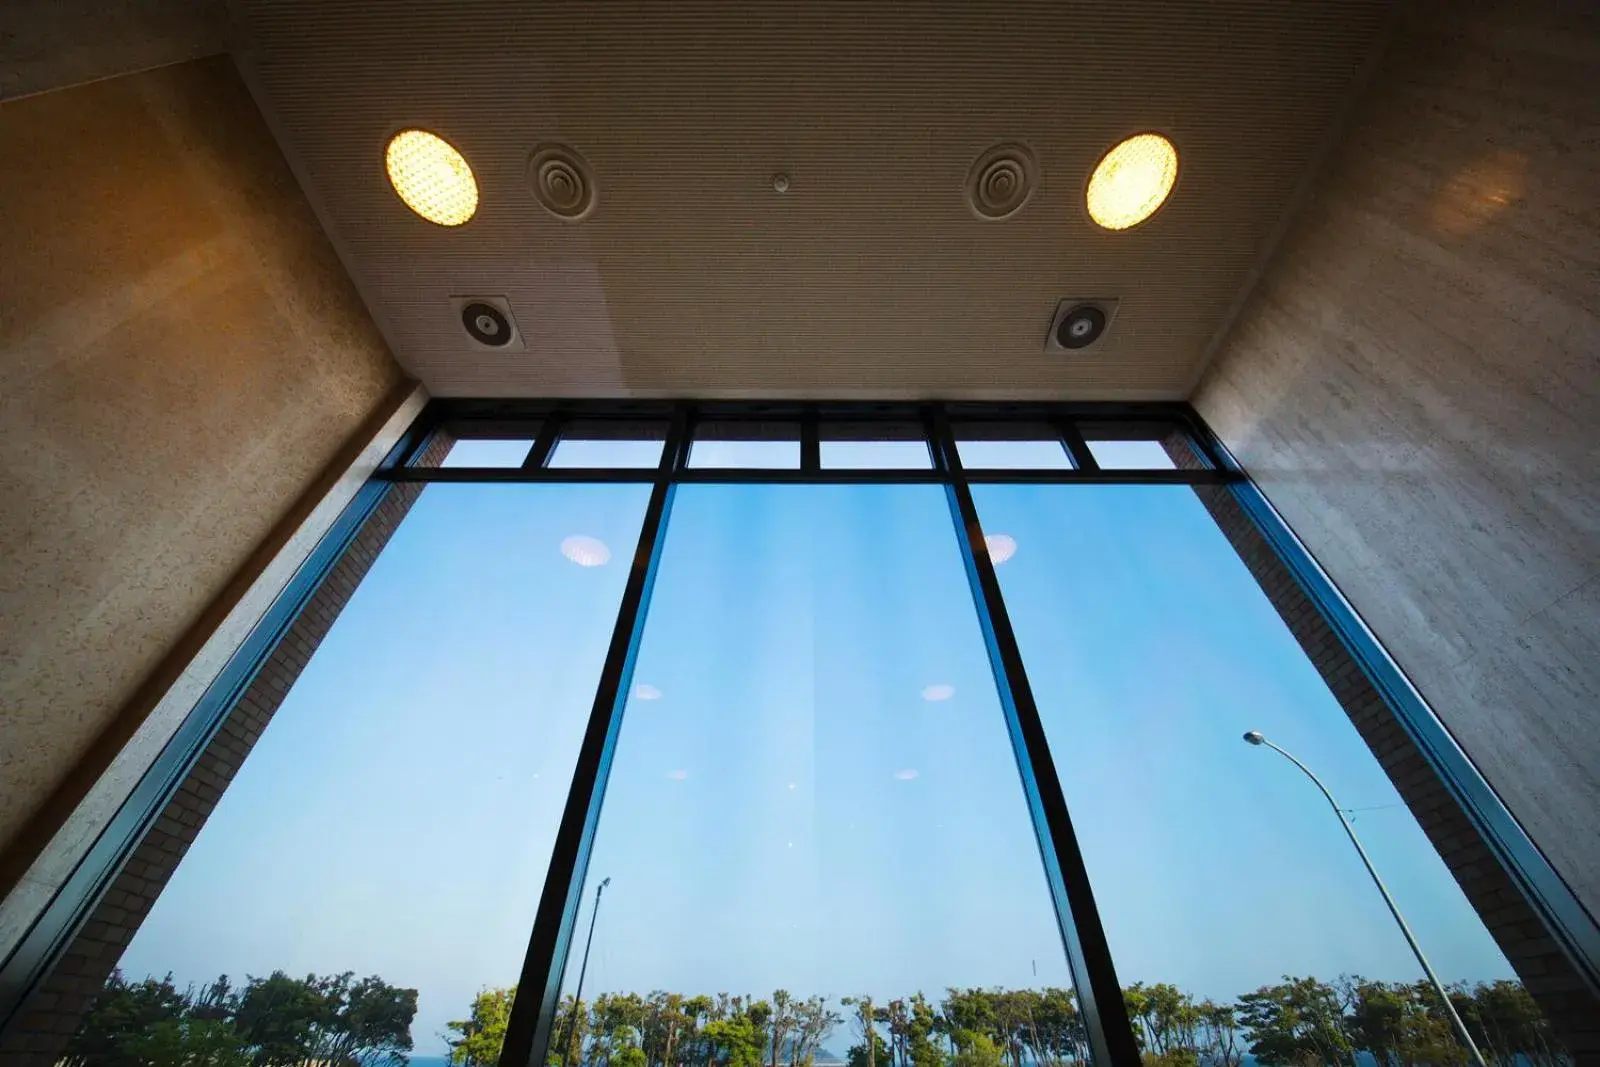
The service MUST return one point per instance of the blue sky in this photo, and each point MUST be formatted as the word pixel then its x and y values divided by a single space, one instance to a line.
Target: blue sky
pixel 789 808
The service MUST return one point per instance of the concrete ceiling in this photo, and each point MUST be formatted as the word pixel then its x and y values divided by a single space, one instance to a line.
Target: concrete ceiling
pixel 53 44
pixel 871 276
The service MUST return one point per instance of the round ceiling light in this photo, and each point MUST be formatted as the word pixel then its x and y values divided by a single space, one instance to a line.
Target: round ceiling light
pixel 431 177
pixel 1132 181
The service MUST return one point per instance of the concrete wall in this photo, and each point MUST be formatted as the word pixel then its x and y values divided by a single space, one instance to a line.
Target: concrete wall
pixel 1416 386
pixel 181 359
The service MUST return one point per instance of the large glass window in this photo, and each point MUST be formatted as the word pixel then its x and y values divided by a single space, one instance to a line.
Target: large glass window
pixel 814 795
pixel 814 846
pixel 396 818
pixel 1222 875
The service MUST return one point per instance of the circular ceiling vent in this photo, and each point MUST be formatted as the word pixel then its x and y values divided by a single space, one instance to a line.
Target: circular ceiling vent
pixel 486 324
pixel 561 182
pixel 1081 327
pixel 1001 181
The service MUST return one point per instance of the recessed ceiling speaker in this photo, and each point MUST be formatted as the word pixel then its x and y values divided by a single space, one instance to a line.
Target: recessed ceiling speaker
pixel 1079 324
pixel 1001 181
pixel 488 322
pixel 561 182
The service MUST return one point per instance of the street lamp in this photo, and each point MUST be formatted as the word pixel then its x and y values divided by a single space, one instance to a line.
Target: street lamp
pixel 1255 737
pixel 577 996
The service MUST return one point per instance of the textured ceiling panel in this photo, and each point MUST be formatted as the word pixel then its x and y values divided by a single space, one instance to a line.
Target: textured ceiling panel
pixel 870 276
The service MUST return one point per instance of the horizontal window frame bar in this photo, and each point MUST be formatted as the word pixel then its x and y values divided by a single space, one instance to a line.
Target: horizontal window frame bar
pixel 791 475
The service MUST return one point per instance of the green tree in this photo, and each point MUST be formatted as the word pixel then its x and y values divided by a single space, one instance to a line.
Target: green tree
pixel 863 1055
pixel 368 1021
pixel 1219 1035
pixel 737 1041
pixel 973 1050
pixel 1507 1023
pixel 120 1013
pixel 814 1021
pixel 280 1017
pixel 666 1023
pixel 873 1050
pixel 783 1022
pixel 969 1013
pixel 568 1032
pixel 1430 1034
pixel 1378 1019
pixel 483 1031
pixel 922 1025
pixel 189 1042
pixel 1166 1022
pixel 1297 1021
pixel 700 1010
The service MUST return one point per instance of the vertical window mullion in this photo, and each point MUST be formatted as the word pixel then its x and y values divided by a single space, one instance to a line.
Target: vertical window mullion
pixel 1105 1016
pixel 545 443
pixel 810 441
pixel 1077 447
pixel 539 988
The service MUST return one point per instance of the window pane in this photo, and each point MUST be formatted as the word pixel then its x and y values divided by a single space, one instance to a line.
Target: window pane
pixel 1131 455
pixel 488 452
pixel 1135 445
pixel 763 445
pixel 814 788
pixel 397 814
pixel 872 445
pixel 1013 455
pixel 627 454
pixel 610 443
pixel 1010 446
pixel 875 455
pixel 1217 866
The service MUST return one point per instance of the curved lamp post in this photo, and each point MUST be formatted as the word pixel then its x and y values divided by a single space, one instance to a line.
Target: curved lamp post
pixel 1255 737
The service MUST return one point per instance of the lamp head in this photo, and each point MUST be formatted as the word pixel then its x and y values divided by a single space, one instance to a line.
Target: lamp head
pixel 1255 737
pixel 605 881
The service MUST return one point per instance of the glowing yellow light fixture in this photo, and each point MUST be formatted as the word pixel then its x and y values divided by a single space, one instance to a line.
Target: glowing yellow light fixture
pixel 1132 181
pixel 431 177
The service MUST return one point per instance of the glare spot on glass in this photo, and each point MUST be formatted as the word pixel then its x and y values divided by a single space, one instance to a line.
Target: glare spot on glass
pixel 644 691
pixel 586 551
pixel 905 775
pixel 1001 547
pixel 938 692
pixel 677 776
